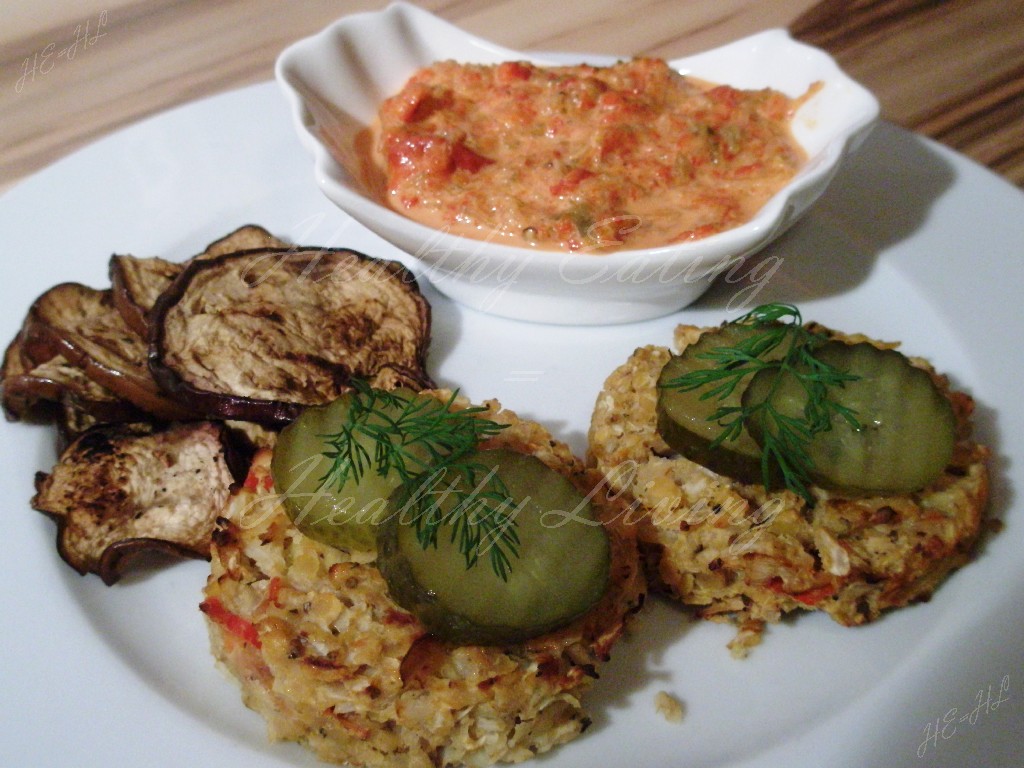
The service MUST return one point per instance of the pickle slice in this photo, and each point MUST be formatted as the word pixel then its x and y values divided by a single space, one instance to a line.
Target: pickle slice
pixel 684 419
pixel 907 427
pixel 560 572
pixel 346 516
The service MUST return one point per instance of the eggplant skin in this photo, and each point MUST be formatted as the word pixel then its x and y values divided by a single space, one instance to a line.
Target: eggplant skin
pixel 257 335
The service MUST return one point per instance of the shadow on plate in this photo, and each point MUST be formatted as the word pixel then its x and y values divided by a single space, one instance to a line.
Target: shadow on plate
pixel 880 198
pixel 638 660
pixel 1001 492
pixel 445 331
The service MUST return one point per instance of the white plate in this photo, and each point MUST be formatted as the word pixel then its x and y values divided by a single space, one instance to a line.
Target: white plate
pixel 910 242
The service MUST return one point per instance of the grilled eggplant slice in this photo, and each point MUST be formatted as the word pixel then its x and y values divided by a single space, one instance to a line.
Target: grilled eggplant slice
pixel 248 237
pixel 15 362
pixel 81 324
pixel 19 401
pixel 56 390
pixel 260 334
pixel 120 490
pixel 137 282
pixel 51 381
pixel 76 413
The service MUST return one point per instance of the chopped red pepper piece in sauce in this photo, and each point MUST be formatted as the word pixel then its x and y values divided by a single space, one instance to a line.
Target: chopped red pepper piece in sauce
pixel 553 157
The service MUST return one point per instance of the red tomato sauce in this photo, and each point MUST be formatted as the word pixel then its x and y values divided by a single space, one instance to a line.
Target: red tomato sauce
pixel 580 158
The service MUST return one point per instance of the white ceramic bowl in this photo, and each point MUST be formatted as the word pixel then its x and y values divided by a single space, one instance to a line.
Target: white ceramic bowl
pixel 336 79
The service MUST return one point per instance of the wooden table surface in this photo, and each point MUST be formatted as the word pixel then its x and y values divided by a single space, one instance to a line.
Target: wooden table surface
pixel 73 72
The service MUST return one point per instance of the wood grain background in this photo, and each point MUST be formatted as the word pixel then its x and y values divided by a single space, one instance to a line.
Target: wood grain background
pixel 952 70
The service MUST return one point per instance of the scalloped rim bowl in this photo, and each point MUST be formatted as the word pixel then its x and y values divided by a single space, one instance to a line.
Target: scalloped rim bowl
pixel 336 79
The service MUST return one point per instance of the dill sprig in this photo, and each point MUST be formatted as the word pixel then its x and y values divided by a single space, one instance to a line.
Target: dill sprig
pixel 424 442
pixel 473 500
pixel 784 344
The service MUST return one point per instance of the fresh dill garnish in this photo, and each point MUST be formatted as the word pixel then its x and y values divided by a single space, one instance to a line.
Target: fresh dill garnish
pixel 424 442
pixel 473 500
pixel 786 346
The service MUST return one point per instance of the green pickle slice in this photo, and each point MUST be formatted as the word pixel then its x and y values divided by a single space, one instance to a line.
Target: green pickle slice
pixel 347 516
pixel 684 419
pixel 561 570
pixel 907 427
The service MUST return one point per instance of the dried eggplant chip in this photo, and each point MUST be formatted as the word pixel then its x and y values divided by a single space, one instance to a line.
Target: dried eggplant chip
pixel 120 490
pixel 15 362
pixel 57 381
pixel 81 325
pixel 56 391
pixel 19 400
pixel 138 282
pixel 248 237
pixel 260 334
pixel 73 420
pixel 52 378
pixel 250 436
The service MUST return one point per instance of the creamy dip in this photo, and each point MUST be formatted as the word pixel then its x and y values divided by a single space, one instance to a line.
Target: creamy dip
pixel 580 158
